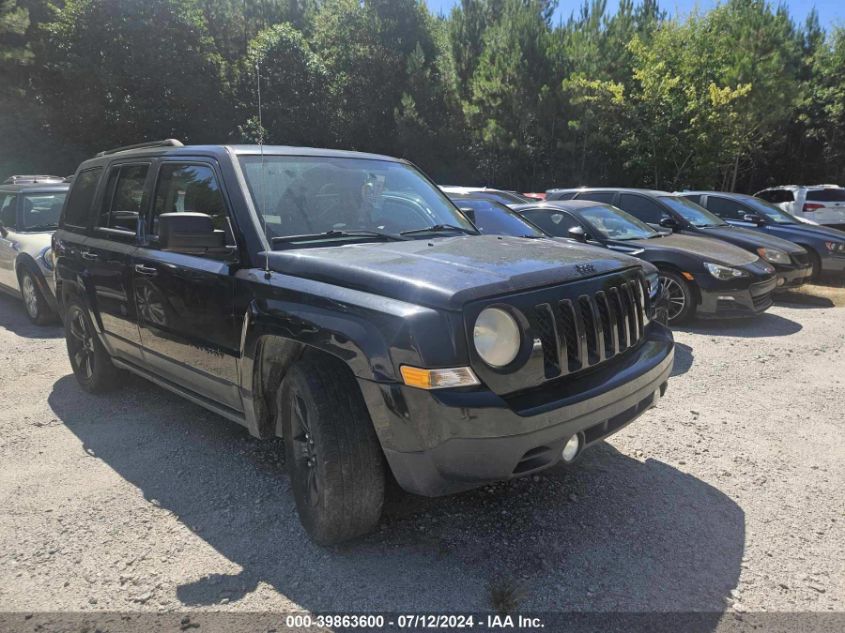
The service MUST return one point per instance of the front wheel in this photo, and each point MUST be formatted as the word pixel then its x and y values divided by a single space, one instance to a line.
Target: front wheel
pixel 335 461
pixel 89 360
pixel 679 297
pixel 34 302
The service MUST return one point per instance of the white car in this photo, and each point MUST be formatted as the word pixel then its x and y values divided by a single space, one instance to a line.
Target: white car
pixel 822 204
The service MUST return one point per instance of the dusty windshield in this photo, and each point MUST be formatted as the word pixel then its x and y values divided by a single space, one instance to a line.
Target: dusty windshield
pixel 615 224
pixel 770 211
pixel 692 213
pixel 331 199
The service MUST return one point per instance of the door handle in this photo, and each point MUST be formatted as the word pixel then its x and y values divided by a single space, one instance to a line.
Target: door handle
pixel 91 257
pixel 148 271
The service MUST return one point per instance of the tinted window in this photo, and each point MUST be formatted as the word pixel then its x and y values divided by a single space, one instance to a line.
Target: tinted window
pixel 641 208
pixel 503 197
pixel 777 195
pixel 826 195
pixel 693 197
pixel 42 210
pixel 81 197
pixel 560 195
pixel 190 188
pixel 493 218
pixel 726 208
pixel 124 198
pixel 597 196
pixel 7 211
pixel 553 222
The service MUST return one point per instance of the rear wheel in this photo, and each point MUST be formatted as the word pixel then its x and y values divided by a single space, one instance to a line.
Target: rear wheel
pixel 336 466
pixel 37 308
pixel 679 297
pixel 89 360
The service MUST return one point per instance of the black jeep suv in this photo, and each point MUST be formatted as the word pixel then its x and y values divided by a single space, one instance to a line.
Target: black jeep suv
pixel 341 301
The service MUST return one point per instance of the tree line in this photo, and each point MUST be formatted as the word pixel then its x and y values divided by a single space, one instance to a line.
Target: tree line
pixel 495 93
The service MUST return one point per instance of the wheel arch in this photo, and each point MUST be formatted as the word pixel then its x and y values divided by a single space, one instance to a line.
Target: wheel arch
pixel 664 265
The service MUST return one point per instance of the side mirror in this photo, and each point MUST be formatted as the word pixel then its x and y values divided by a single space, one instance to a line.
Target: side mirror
pixel 753 217
pixel 577 233
pixel 669 223
pixel 189 233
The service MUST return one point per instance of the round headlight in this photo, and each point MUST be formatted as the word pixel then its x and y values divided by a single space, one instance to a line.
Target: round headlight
pixel 496 337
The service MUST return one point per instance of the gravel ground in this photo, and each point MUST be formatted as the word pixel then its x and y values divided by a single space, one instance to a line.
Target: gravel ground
pixel 729 495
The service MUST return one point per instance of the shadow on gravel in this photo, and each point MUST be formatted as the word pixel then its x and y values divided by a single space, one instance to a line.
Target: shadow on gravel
pixel 13 318
pixel 803 300
pixel 612 534
pixel 766 324
pixel 683 359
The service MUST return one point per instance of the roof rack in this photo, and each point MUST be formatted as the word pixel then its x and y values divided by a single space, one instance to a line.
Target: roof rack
pixel 17 180
pixel 168 142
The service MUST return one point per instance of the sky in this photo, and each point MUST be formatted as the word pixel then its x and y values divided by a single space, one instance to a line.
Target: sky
pixel 830 11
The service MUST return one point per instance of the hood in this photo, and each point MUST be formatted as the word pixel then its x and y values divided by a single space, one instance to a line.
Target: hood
pixel 749 238
pixel 449 272
pixel 807 230
pixel 712 250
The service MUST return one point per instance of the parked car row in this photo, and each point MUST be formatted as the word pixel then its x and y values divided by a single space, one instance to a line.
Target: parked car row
pixel 378 324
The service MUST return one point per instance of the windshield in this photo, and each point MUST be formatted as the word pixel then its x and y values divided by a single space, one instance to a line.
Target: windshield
pixel 615 224
pixel 42 210
pixel 770 211
pixel 314 195
pixel 493 218
pixel 691 212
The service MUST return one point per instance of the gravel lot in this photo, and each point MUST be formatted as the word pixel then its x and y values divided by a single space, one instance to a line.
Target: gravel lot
pixel 729 495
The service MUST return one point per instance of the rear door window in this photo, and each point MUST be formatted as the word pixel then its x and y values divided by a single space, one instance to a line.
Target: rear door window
pixel 124 198
pixel 82 197
pixel 777 195
pixel 642 208
pixel 596 196
pixel 826 195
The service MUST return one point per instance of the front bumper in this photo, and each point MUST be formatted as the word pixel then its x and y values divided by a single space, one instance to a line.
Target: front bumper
pixel 833 264
pixel 731 303
pixel 440 442
pixel 793 277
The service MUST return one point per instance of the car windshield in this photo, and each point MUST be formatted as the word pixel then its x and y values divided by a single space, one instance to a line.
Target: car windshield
pixel 770 211
pixel 615 224
pixel 42 210
pixel 493 218
pixel 328 199
pixel 691 212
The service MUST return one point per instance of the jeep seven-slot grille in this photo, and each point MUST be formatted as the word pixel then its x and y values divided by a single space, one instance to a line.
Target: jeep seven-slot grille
pixel 577 334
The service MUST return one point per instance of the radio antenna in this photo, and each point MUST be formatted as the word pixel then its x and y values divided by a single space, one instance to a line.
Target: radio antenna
pixel 261 187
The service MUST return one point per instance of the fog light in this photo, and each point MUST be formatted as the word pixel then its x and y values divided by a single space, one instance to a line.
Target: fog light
pixel 570 450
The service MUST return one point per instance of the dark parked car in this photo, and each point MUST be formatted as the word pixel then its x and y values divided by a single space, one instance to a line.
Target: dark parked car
pixel 29 213
pixel 700 276
pixel 825 245
pixel 486 193
pixel 341 301
pixel 674 212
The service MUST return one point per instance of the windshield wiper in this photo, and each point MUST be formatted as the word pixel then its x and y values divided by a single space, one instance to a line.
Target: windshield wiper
pixel 280 239
pixel 436 228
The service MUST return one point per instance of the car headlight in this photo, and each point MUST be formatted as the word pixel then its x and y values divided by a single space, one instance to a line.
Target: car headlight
pixel 773 255
pixel 46 257
pixel 496 336
pixel 835 247
pixel 725 273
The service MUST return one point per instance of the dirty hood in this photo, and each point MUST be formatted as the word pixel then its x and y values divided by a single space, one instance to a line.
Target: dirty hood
pixel 449 272
pixel 712 250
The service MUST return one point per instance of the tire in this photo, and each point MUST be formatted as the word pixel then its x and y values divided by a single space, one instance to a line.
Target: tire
pixel 816 263
pixel 679 295
pixel 336 466
pixel 34 303
pixel 89 360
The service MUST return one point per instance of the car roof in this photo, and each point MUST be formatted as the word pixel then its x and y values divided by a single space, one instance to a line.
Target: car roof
pixel 557 205
pixel 651 192
pixel 796 187
pixel 705 192
pixel 42 187
pixel 219 151
pixel 467 190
